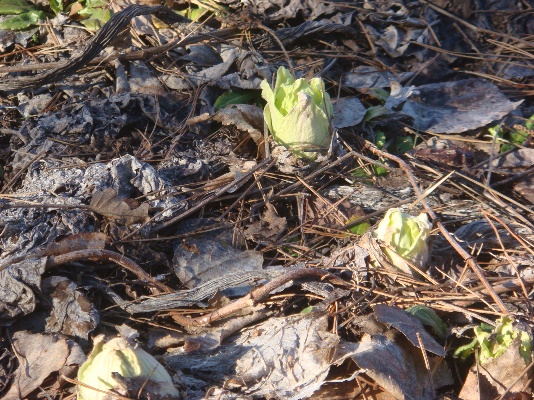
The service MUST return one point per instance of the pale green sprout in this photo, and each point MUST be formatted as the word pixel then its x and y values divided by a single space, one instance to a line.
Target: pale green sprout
pixel 298 113
pixel 406 238
pixel 118 356
pixel 492 342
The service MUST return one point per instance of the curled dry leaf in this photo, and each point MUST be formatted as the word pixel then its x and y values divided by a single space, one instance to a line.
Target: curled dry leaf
pixel 40 356
pixel 109 205
pixel 268 229
pixel 72 312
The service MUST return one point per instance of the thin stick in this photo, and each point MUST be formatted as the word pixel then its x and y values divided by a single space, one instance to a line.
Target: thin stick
pixel 256 295
pixel 512 263
pixel 107 255
pixel 277 39
pixel 210 198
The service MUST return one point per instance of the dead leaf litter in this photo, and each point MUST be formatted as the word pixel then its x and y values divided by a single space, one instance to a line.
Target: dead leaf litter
pixel 142 196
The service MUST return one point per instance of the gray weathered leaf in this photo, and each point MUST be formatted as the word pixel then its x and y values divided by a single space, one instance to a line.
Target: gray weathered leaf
pixel 72 312
pixel 348 111
pixel 455 107
pixel 409 326
pixel 283 358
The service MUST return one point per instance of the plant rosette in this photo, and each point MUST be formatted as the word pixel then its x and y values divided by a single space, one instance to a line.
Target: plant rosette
pixel 492 342
pixel 298 113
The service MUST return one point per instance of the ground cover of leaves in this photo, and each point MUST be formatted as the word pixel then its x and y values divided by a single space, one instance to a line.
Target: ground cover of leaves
pixel 141 196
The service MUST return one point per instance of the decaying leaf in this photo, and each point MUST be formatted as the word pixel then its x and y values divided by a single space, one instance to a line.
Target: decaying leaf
pixel 367 77
pixel 445 152
pixel 284 358
pixel 72 312
pixel 409 326
pixel 398 367
pixel 348 111
pixel 455 107
pixel 268 228
pixel 520 158
pixel 245 117
pixel 490 380
pixel 80 241
pixel 108 204
pixel 525 188
pixel 16 287
pixel 206 256
pixel 40 356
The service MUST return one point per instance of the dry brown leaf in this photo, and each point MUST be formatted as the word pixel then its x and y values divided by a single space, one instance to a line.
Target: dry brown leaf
pixel 39 356
pixel 268 229
pixel 72 312
pixel 409 326
pixel 109 205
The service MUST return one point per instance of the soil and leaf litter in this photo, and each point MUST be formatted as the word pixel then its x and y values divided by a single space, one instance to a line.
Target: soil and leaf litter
pixel 283 199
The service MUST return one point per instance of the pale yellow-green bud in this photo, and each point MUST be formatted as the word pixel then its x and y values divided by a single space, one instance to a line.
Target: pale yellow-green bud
pixel 298 112
pixel 408 237
pixel 119 356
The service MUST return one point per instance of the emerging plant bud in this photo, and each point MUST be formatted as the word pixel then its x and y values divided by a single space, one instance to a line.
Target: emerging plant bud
pixel 408 236
pixel 494 341
pixel 298 113
pixel 116 364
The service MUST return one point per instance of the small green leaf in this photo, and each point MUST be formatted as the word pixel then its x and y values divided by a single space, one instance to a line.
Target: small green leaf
pixel 380 139
pixel 360 229
pixel 307 310
pixel 23 21
pixel 10 7
pixel 235 97
pixel 375 112
pixel 492 342
pixel 466 350
pixel 96 3
pixel 379 94
pixel 56 6
pixel 428 317
pixel 403 144
pixel 193 13
pixel 496 132
pixel 518 136
pixel 380 171
pixel 97 19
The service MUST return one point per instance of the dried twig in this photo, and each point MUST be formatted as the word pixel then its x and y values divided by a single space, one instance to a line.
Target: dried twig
pixel 107 255
pixel 257 295
pixel 267 163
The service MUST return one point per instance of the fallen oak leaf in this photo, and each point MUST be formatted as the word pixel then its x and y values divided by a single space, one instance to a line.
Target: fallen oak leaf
pixel 41 355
